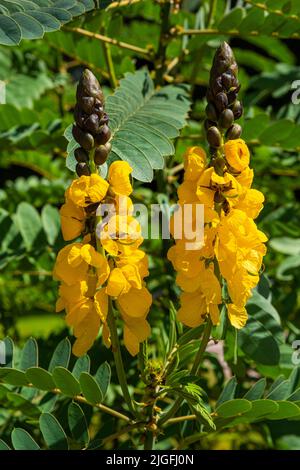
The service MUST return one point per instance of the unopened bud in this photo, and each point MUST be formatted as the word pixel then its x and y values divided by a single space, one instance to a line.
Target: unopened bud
pixel 84 139
pixel 226 119
pixel 81 155
pixel 214 137
pixel 83 169
pixel 234 132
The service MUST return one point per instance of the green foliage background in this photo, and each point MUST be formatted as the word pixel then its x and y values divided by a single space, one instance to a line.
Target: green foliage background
pixel 44 47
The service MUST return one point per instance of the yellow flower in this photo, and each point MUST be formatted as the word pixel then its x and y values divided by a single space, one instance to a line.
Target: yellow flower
pixel 72 220
pixel 251 202
pixel 237 315
pixel 121 280
pixel 73 261
pixel 136 303
pixel 136 330
pixel 87 190
pixel 118 177
pixel 121 233
pixel 194 163
pixel 237 154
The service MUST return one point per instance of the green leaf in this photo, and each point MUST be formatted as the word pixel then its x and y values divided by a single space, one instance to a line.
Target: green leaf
pixel 289 263
pixel 258 303
pixel 256 391
pixel 90 388
pixel 286 245
pixel 9 351
pixel 286 410
pixel 228 391
pixel 232 408
pixel 232 20
pixel 142 122
pixel 29 356
pixel 61 355
pixel 102 377
pixel 82 364
pixel 253 21
pixel 18 402
pixel 260 337
pixel 51 223
pixel 261 409
pixel 13 376
pixel 281 392
pixel 10 32
pixel 77 424
pixel 202 414
pixel 4 446
pixel 21 440
pixel 30 28
pixel 40 378
pixel 48 22
pixel 29 223
pixel 190 334
pixel 64 380
pixel 53 433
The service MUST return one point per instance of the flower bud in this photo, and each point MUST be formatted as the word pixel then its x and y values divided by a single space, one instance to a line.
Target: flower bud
pixel 234 132
pixel 81 155
pixel 221 101
pixel 237 109
pixel 103 136
pixel 92 124
pixel 83 169
pixel 84 139
pixel 214 137
pixel 100 155
pixel 87 103
pixel 211 112
pixel 226 119
pixel 89 86
pixel 208 124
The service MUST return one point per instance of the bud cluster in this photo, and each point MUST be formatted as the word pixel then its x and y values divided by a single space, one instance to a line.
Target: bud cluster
pixel 91 129
pixel 223 106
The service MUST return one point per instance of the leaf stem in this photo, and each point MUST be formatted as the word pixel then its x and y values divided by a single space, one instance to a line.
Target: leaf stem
pixel 110 65
pixel 216 32
pixel 115 345
pixel 112 41
pixel 211 14
pixel 194 370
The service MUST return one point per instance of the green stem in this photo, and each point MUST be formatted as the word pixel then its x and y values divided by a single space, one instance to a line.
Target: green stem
pixel 194 370
pixel 149 441
pixel 110 65
pixel 115 345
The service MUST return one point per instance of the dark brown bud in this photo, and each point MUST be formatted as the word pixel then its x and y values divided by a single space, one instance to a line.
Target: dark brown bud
pixel 92 124
pixel 226 119
pixel 208 124
pixel 98 107
pixel 223 59
pixel 228 80
pixel 103 136
pixel 89 86
pixel 232 94
pixel 83 169
pixel 216 85
pixel 219 165
pixel 79 116
pixel 213 136
pixel 234 132
pixel 101 154
pixel 84 139
pixel 211 112
pixel 81 155
pixel 221 101
pixel 87 104
pixel 237 109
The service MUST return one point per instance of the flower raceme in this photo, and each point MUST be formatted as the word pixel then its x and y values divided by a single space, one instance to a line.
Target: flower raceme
pixel 107 264
pixel 232 249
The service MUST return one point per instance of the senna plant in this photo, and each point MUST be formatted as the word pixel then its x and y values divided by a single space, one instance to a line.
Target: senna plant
pixel 163 342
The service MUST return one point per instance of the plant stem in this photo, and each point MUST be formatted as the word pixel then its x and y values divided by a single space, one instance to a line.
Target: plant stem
pixel 149 441
pixel 216 32
pixel 194 370
pixel 110 65
pixel 160 56
pixel 114 42
pixel 115 345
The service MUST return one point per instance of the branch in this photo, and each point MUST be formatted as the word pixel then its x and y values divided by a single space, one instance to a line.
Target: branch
pixel 108 40
pixel 178 31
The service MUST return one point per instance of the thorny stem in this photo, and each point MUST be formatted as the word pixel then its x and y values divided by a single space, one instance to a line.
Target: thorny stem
pixel 108 40
pixel 115 345
pixel 194 370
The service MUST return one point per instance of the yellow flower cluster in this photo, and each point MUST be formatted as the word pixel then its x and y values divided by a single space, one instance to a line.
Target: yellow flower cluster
pixel 233 247
pixel 104 265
